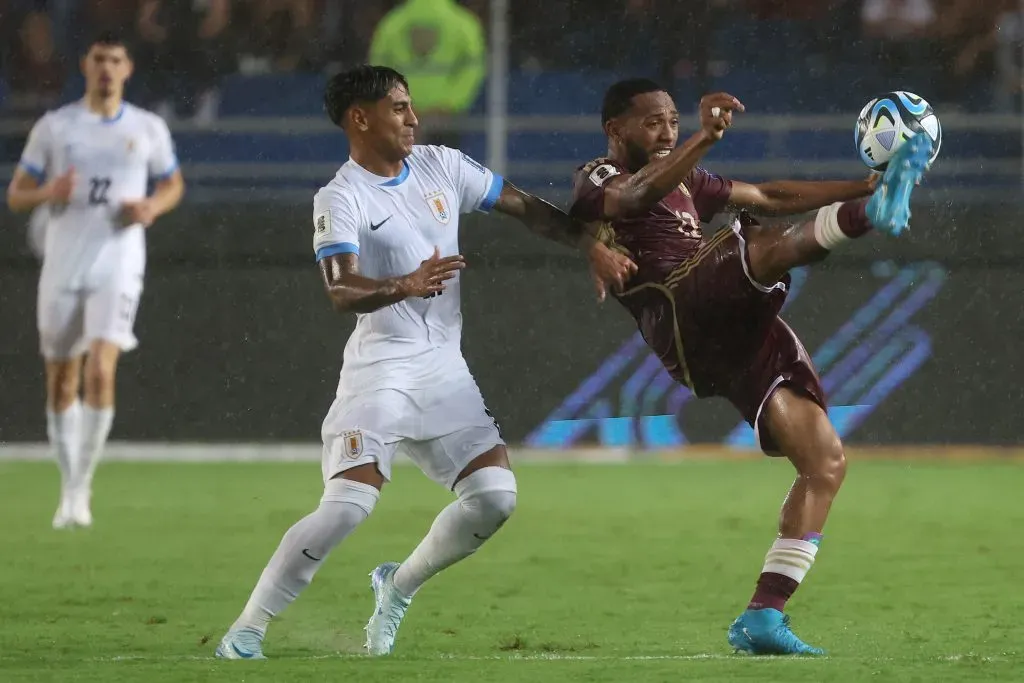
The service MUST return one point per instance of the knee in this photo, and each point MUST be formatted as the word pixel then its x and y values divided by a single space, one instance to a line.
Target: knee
pixel 65 393
pixel 829 467
pixel 99 377
pixel 497 505
pixel 490 493
pixel 350 502
pixel 62 386
pixel 344 506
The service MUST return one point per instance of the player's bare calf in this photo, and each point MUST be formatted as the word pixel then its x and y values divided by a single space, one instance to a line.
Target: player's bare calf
pixel 804 434
pixel 774 250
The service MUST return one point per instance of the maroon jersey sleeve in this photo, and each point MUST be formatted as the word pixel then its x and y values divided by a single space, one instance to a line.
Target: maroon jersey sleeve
pixel 710 192
pixel 588 189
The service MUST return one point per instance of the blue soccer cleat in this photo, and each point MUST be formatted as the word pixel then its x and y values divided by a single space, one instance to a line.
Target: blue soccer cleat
pixel 889 207
pixel 243 643
pixel 766 632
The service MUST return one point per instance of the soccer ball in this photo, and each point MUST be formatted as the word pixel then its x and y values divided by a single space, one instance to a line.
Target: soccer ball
pixel 886 122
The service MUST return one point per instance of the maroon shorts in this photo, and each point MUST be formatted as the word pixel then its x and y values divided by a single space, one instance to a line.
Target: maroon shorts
pixel 719 332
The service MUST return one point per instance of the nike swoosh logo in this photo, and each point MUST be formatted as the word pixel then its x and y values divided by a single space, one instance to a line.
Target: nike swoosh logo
pixel 374 227
pixel 305 551
pixel 241 653
pixel 482 538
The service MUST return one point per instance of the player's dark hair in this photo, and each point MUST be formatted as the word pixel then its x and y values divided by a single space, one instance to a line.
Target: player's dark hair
pixel 109 38
pixel 619 97
pixel 362 84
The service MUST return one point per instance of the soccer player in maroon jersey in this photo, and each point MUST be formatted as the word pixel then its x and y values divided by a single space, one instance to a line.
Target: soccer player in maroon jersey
pixel 709 306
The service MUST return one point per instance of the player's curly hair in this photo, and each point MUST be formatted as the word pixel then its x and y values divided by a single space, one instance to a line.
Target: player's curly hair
pixel 364 83
pixel 619 97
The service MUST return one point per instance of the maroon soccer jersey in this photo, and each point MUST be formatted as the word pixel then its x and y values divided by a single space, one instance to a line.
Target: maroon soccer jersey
pixel 714 328
pixel 666 236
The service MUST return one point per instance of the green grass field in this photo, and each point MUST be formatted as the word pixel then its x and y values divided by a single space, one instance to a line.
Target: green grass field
pixel 606 573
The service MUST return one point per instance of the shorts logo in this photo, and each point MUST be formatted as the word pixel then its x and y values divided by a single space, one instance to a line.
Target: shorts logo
pixel 438 203
pixel 353 444
pixel 323 223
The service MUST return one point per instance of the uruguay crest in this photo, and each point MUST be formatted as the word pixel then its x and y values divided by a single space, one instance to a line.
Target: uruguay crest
pixel 438 203
pixel 353 444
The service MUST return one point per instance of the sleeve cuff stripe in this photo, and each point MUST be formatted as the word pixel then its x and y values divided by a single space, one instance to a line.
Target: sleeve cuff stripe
pixel 491 198
pixel 340 248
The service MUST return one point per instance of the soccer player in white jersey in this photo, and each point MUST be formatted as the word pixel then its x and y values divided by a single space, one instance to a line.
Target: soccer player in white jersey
pixel 88 164
pixel 385 234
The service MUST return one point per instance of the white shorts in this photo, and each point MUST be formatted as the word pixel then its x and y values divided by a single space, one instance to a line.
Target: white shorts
pixel 441 429
pixel 69 320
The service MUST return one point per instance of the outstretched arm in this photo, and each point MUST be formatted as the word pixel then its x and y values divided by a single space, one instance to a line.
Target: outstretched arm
pixel 548 221
pixel 638 193
pixel 351 292
pixel 788 197
pixel 542 218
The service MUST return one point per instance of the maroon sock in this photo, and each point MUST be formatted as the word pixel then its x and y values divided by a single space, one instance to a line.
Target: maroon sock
pixel 772 591
pixel 853 219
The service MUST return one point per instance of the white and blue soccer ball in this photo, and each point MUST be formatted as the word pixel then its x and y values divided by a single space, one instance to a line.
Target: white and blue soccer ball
pixel 886 122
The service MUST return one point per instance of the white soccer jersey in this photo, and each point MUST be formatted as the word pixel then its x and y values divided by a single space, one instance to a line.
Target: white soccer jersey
pixel 113 161
pixel 393 224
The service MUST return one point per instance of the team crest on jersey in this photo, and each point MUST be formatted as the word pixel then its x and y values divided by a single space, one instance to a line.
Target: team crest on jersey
pixel 438 203
pixel 353 444
pixel 131 145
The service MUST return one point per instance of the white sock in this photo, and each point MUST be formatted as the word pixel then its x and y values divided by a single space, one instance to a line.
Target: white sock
pixel 63 431
pixel 345 504
pixel 96 424
pixel 790 557
pixel 826 227
pixel 486 499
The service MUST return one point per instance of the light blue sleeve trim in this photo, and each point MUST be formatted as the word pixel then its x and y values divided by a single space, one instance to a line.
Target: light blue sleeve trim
pixel 340 248
pixel 33 170
pixel 168 173
pixel 491 198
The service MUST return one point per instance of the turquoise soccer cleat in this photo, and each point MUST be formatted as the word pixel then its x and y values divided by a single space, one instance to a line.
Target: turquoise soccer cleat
pixel 766 632
pixel 889 207
pixel 242 643
pixel 388 611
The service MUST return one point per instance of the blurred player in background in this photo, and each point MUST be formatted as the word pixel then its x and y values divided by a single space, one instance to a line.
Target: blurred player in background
pixel 385 233
pixel 708 307
pixel 87 164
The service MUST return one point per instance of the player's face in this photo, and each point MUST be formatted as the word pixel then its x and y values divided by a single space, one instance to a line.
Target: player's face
pixel 391 124
pixel 650 129
pixel 106 68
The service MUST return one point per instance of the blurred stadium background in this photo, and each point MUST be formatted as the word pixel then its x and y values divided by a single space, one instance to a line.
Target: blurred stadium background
pixel 238 344
pixel 605 573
